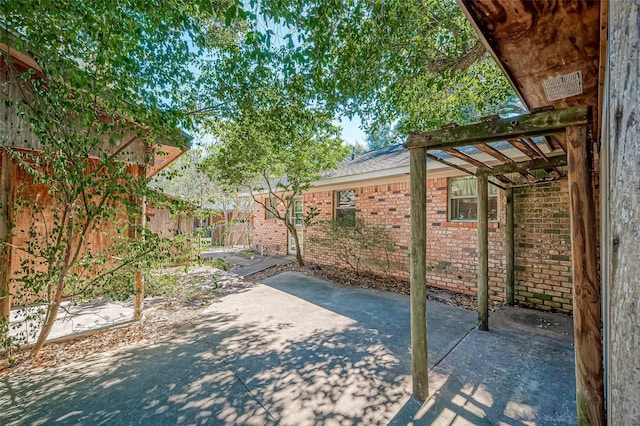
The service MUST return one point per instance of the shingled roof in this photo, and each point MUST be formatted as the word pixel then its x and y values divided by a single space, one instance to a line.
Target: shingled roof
pixel 394 160
pixel 373 161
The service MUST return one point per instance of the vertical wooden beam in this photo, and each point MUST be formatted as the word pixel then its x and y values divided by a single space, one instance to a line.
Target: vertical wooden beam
pixel 419 361
pixel 510 246
pixel 483 253
pixel 5 235
pixel 587 321
pixel 138 284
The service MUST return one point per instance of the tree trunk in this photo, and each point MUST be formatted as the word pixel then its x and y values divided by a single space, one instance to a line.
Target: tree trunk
pixel 52 308
pixel 622 145
pixel 294 232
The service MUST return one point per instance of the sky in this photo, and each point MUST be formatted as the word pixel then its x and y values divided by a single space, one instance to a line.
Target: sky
pixel 351 131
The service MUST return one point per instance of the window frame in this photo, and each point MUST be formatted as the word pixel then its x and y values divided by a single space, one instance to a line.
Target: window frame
pixel 270 202
pixel 451 198
pixel 298 220
pixel 336 205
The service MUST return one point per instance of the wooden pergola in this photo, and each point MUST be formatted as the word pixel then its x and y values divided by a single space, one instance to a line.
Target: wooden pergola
pixel 566 131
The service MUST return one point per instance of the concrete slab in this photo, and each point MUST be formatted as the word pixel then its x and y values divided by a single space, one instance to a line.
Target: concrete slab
pixel 260 263
pixel 297 350
pixel 521 372
pixel 247 263
pixel 73 319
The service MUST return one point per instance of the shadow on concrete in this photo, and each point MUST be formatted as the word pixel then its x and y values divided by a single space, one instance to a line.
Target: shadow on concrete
pixel 499 377
pixel 216 373
pixel 301 351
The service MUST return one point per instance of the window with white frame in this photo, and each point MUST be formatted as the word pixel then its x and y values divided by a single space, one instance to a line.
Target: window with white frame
pixel 463 200
pixel 296 212
pixel 346 206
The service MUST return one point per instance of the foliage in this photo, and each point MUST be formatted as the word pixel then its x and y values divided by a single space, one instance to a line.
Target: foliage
pixel 186 179
pixel 383 137
pixel 275 147
pixel 137 58
pixel 419 63
pixel 114 73
pixel 357 244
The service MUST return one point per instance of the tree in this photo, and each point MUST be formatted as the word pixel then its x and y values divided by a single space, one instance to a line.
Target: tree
pixel 383 137
pixel 112 73
pixel 419 63
pixel 186 179
pixel 277 145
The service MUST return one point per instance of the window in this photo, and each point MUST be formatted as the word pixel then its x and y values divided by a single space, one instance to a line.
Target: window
pixel 463 200
pixel 346 207
pixel 271 208
pixel 296 209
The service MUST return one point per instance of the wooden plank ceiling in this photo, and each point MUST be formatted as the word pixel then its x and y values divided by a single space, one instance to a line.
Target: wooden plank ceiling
pixel 535 41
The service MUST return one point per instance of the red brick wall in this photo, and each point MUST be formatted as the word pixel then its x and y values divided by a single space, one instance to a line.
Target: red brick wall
pixel 542 242
pixel 543 247
pixel 451 246
pixel 269 235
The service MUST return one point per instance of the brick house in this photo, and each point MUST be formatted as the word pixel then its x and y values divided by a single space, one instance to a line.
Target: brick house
pixel 375 186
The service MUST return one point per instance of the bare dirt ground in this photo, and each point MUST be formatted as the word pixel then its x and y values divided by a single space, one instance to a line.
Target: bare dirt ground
pixel 194 290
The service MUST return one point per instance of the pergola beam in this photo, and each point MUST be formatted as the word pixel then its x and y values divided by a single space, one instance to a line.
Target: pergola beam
pixel 536 124
pixel 479 164
pixel 525 166
pixel 450 164
pixel 524 148
pixel 488 149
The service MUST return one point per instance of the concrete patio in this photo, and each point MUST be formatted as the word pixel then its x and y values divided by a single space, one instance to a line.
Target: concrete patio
pixel 296 350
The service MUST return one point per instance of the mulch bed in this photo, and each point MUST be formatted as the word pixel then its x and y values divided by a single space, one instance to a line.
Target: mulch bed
pixel 372 281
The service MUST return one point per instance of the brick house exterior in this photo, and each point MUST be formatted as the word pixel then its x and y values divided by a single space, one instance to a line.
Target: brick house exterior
pixel 542 241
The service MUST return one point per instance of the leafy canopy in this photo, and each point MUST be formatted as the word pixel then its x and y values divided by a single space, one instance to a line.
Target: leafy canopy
pixel 116 73
pixel 278 136
pixel 416 63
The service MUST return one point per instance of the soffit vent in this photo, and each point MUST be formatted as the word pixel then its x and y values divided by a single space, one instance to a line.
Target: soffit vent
pixel 563 86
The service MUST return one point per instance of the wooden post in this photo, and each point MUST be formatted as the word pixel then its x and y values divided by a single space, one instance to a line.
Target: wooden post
pixel 587 321
pixel 5 235
pixel 483 253
pixel 419 361
pixel 510 246
pixel 138 284
pixel 138 276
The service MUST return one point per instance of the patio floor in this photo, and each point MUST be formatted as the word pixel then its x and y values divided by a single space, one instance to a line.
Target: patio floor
pixel 296 350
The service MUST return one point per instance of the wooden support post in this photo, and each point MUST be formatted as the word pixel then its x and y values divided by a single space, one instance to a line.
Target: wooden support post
pixel 419 362
pixel 587 321
pixel 5 235
pixel 483 253
pixel 138 283
pixel 510 247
